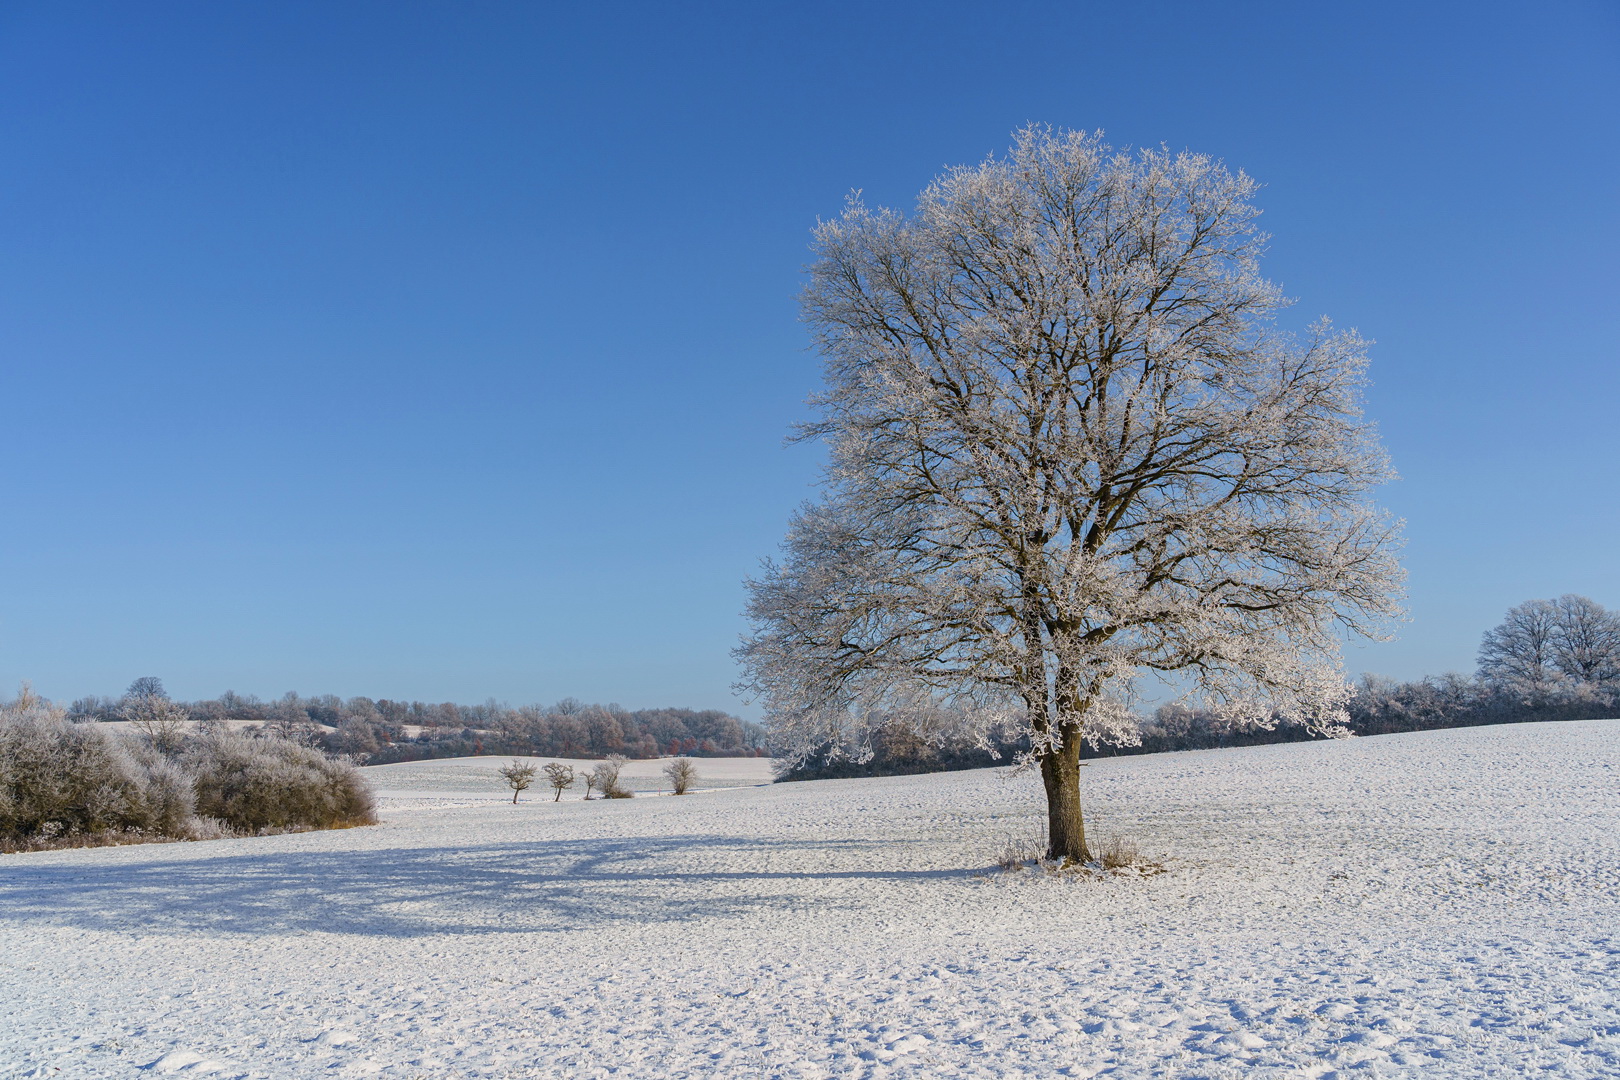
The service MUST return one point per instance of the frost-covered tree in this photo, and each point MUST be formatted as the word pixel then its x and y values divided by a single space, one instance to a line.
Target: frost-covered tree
pixel 147 707
pixel 519 777
pixel 1586 641
pixel 147 686
pixel 560 777
pixel 1543 646
pixel 1518 653
pixel 290 720
pixel 1067 446
pixel 161 721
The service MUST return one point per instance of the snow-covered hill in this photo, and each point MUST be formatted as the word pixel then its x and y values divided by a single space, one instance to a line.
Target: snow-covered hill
pixel 1432 905
pixel 442 780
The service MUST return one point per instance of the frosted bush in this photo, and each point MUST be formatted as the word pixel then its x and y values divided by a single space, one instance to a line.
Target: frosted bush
pixel 207 828
pixel 163 798
pixel 606 777
pixel 254 784
pixel 681 773
pixel 60 779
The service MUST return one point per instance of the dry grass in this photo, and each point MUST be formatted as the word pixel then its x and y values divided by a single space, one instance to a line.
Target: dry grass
pixel 1110 855
pixel 17 845
pixel 198 828
pixel 1018 852
pixel 1118 855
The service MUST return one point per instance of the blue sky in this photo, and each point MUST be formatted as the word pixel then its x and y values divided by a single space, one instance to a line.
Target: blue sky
pixel 445 351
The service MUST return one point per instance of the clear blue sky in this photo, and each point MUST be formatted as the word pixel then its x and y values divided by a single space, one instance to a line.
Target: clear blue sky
pixel 446 350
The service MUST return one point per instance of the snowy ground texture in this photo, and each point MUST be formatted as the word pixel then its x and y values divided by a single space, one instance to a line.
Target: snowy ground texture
pixel 1432 905
pixel 455 781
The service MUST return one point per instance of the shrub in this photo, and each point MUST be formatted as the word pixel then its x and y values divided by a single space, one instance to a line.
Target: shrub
pixel 59 779
pixel 165 798
pixel 254 784
pixel 606 777
pixel 681 772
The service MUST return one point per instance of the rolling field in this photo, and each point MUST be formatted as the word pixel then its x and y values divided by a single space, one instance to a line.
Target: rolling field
pixel 1439 904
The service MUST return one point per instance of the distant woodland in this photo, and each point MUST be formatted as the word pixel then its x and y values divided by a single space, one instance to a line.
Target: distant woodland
pixel 378 732
pixel 1547 660
pixel 1379 707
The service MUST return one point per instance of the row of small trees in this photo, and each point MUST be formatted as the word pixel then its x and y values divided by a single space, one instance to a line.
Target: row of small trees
pixel 64 783
pixel 603 777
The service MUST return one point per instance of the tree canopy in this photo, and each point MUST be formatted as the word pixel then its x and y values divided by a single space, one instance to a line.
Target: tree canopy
pixel 1068 445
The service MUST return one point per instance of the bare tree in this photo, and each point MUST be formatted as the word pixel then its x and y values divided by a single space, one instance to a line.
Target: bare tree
pixel 561 778
pixel 290 720
pixel 1543 645
pixel 1067 446
pixel 1518 654
pixel 681 772
pixel 357 736
pixel 162 721
pixel 1586 641
pixel 518 777
pixel 590 782
pixel 606 775
pixel 147 686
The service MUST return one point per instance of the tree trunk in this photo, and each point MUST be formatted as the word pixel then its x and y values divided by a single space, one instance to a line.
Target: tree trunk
pixel 515 793
pixel 1065 828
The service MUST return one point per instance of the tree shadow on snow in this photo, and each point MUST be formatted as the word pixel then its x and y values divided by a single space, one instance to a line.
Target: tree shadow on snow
pixel 407 892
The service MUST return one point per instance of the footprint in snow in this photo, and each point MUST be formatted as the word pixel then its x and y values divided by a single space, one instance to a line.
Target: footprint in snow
pixel 906 1044
pixel 188 1061
pixel 1239 1043
pixel 334 1038
pixel 1378 1040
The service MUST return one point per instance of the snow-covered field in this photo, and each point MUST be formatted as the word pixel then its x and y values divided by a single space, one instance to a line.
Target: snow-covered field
pixel 1431 905
pixel 444 781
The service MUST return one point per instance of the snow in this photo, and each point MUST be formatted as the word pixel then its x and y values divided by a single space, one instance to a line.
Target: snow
pixel 457 780
pixel 1439 904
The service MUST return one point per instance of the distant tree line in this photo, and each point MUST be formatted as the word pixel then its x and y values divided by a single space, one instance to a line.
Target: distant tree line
pixel 378 732
pixel 1548 660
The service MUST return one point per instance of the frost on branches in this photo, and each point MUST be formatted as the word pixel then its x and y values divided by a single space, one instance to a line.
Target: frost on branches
pixel 1067 447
